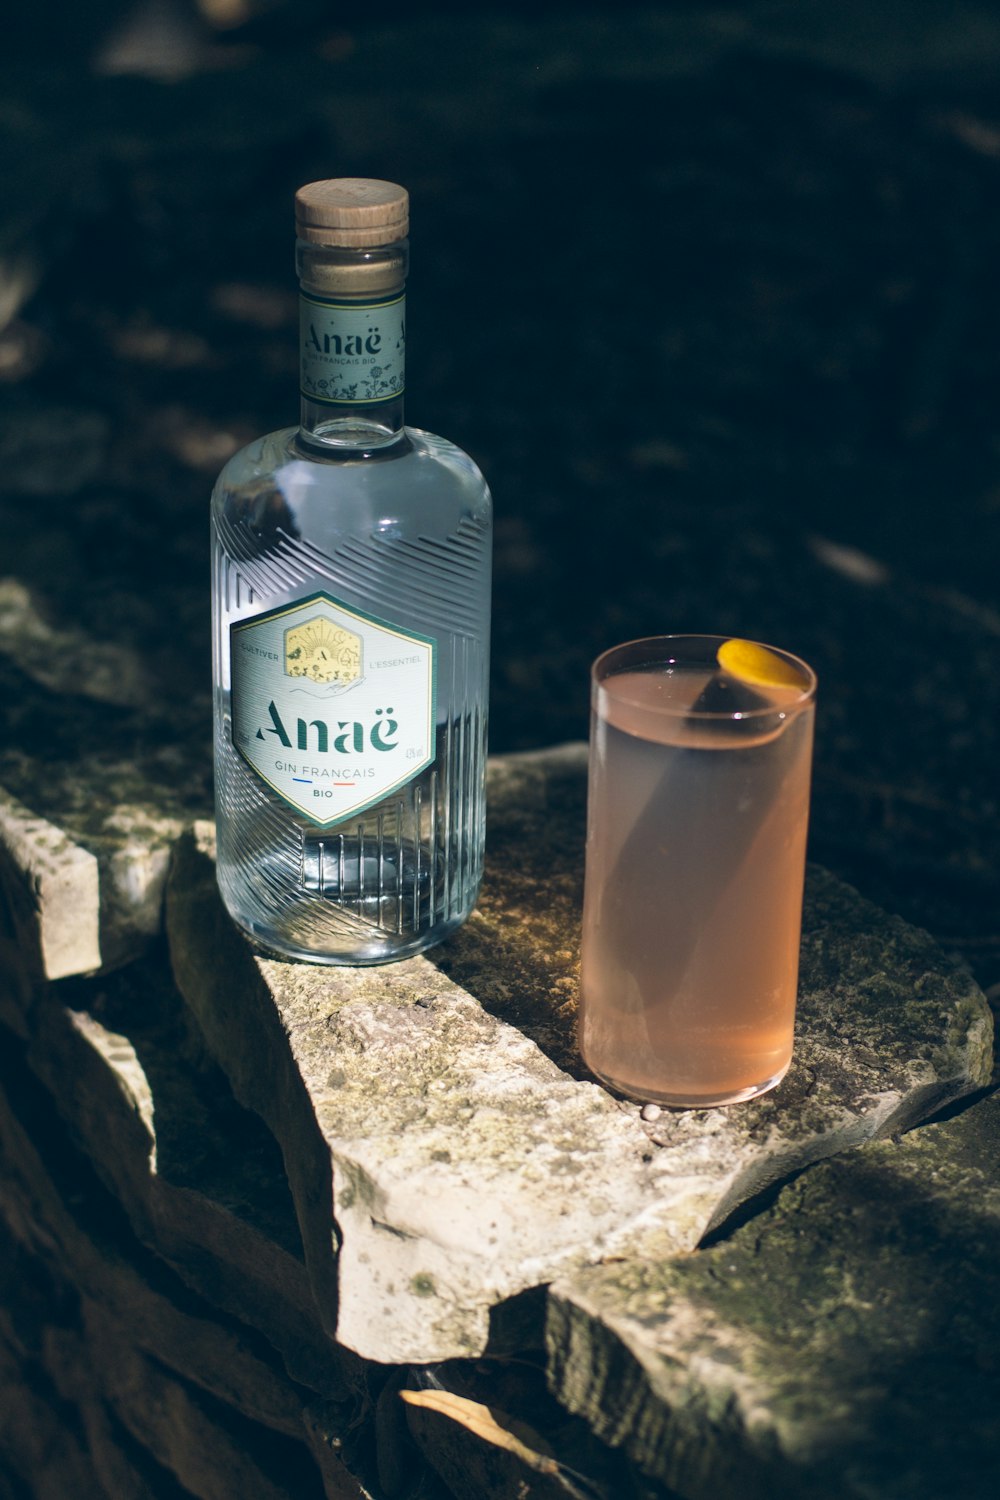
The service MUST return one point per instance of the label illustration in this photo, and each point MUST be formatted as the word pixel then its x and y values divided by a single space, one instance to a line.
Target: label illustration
pixel 350 351
pixel 333 708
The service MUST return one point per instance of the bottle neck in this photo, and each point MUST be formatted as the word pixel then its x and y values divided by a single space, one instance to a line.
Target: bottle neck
pixel 352 332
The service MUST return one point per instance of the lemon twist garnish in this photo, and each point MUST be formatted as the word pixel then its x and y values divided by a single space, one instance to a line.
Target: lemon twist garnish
pixel 756 664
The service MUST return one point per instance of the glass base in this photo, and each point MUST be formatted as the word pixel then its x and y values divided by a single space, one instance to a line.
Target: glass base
pixel 692 1101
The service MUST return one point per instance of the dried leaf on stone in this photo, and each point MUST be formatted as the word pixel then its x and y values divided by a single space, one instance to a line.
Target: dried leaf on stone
pixel 492 1426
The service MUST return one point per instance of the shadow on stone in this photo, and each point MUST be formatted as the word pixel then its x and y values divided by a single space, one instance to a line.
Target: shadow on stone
pixel 520 954
pixel 517 1323
pixel 205 1140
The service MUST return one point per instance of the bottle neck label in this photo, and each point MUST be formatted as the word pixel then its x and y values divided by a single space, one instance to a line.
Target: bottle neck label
pixel 331 707
pixel 352 353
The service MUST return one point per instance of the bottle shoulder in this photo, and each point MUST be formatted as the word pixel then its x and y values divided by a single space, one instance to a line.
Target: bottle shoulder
pixel 425 485
pixel 271 455
pixel 261 457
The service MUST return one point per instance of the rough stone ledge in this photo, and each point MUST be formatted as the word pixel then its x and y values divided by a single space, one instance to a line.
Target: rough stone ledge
pixel 440 1163
pixel 86 894
pixel 53 899
pixel 842 1345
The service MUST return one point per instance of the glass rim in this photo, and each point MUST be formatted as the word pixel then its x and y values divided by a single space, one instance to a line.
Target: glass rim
pixel 646 653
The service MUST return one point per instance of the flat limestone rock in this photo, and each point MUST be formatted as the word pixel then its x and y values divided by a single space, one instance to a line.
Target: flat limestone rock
pixel 443 1149
pixel 438 1150
pixel 888 1030
pixel 843 1345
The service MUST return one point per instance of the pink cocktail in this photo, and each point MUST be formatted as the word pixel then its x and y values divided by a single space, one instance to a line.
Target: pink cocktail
pixel 697 815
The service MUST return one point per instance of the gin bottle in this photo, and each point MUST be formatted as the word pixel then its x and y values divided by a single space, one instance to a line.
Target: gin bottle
pixel 350 579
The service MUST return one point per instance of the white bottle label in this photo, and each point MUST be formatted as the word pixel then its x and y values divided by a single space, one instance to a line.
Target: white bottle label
pixel 331 707
pixel 352 352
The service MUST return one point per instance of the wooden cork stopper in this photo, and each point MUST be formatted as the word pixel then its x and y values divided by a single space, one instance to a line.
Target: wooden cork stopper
pixel 352 211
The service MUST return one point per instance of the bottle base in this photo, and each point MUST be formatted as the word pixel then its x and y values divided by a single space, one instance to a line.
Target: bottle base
pixel 379 948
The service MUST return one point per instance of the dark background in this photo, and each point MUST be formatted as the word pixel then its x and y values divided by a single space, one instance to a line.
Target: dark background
pixel 709 291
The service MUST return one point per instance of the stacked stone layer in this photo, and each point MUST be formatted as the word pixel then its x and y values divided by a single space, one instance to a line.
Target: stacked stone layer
pixel 257 1202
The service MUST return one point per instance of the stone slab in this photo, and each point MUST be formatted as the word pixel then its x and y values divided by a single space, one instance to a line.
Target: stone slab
pixel 441 1162
pixel 841 1345
pixel 97 777
pixel 84 886
pixel 130 1347
pixel 199 1179
pixel 52 892
pixel 38 1445
pixel 214 1452
pixel 194 1342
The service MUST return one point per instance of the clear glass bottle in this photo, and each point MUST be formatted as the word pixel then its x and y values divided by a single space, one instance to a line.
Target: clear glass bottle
pixel 351 582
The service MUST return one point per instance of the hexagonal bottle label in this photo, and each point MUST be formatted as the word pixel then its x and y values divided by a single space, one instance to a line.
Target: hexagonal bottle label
pixel 332 708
